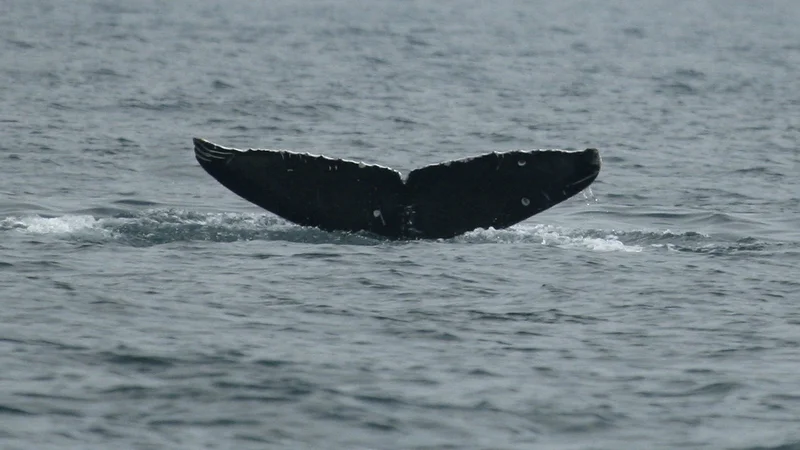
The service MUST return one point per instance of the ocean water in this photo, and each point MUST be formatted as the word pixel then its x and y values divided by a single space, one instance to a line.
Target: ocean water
pixel 144 306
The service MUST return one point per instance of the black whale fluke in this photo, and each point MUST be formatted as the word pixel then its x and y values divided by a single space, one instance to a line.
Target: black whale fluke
pixel 437 201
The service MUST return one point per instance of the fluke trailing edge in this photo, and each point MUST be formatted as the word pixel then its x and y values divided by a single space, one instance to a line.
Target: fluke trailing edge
pixel 438 201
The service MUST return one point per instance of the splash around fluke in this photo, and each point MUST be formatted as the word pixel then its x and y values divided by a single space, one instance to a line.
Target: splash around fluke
pixel 437 201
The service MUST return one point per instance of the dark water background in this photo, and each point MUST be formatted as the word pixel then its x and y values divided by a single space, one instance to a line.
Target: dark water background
pixel 146 307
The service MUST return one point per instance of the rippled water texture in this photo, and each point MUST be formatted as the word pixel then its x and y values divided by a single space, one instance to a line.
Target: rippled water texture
pixel 145 306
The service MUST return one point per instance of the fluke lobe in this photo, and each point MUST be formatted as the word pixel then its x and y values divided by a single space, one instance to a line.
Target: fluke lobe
pixel 437 201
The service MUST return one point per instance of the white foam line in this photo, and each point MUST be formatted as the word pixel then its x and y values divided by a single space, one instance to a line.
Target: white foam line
pixel 553 236
pixel 562 238
pixel 51 225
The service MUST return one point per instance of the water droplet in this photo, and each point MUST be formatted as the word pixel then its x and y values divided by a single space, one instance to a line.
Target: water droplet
pixel 376 213
pixel 525 201
pixel 361 165
pixel 521 162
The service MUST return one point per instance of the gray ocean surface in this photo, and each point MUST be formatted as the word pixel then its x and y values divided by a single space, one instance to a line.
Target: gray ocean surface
pixel 145 306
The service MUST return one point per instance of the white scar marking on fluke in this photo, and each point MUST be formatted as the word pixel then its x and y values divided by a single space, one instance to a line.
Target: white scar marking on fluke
pixel 211 150
pixel 583 179
pixel 229 151
pixel 526 202
pixel 376 214
pixel 206 152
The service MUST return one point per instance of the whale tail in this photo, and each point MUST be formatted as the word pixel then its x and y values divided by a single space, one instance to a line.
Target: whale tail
pixel 437 201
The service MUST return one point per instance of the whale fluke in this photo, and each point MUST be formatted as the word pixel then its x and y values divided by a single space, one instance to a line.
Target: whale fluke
pixel 437 201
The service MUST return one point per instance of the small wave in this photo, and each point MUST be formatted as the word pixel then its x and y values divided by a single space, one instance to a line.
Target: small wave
pixel 163 226
pixel 795 445
pixel 220 85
